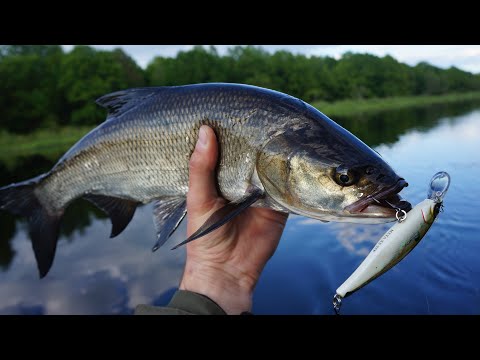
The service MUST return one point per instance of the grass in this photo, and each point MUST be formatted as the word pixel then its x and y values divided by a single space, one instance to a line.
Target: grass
pixel 355 107
pixel 51 143
pixel 47 142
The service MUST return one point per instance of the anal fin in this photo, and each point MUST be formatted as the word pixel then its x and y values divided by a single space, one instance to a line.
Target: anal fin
pixel 168 213
pixel 120 211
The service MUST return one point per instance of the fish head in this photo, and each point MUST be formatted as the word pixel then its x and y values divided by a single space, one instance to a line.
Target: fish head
pixel 327 173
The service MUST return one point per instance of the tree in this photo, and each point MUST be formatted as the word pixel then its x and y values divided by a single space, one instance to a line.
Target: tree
pixel 41 86
pixel 251 66
pixel 40 50
pixel 198 65
pixel 87 74
pixel 28 92
pixel 429 79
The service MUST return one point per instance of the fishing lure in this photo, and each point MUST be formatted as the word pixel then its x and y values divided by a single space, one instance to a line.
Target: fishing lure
pixel 398 241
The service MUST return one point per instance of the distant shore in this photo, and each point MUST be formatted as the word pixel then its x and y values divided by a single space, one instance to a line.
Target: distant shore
pixel 52 142
pixel 351 107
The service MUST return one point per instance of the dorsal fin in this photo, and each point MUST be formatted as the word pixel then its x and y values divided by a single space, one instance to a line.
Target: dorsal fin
pixel 120 102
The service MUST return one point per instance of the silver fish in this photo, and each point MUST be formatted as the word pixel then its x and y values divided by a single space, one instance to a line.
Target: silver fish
pixel 275 151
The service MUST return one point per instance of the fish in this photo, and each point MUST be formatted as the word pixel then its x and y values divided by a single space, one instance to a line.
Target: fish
pixel 275 151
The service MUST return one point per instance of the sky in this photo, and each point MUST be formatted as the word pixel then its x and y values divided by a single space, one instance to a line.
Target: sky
pixel 465 57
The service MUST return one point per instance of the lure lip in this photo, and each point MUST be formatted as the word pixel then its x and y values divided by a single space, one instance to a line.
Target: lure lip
pixel 386 198
pixel 438 186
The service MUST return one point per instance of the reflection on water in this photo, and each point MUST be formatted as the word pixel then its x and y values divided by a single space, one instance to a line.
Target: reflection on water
pixel 94 274
pixel 7 226
pixel 387 127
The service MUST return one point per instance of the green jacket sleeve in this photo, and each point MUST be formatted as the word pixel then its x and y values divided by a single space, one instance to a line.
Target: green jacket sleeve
pixel 183 303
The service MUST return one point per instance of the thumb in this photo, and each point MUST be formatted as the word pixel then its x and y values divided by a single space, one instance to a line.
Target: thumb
pixel 202 192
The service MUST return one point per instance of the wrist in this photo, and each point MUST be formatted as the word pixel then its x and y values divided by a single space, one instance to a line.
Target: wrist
pixel 231 289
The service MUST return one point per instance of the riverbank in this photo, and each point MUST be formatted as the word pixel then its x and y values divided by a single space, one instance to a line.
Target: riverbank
pixel 52 142
pixel 345 108
pixel 46 142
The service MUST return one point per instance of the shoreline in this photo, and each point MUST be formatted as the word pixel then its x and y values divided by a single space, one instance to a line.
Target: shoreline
pixel 52 142
pixel 370 106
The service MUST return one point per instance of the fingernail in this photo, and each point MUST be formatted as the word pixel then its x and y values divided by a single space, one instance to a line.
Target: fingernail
pixel 202 139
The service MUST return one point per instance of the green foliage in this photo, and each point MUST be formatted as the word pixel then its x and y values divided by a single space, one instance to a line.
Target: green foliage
pixel 352 108
pixel 40 50
pixel 29 96
pixel 87 74
pixel 43 87
pixel 198 65
pixel 354 76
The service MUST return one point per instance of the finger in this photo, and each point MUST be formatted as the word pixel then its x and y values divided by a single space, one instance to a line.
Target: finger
pixel 202 192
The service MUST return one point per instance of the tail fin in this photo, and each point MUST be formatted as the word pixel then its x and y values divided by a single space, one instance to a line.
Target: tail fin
pixel 20 199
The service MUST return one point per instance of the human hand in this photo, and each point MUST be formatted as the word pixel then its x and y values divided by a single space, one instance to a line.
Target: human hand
pixel 225 265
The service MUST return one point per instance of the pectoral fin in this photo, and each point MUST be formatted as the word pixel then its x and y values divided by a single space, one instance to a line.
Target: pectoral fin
pixel 225 214
pixel 168 213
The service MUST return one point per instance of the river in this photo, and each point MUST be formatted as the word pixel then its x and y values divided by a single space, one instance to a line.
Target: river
pixel 93 274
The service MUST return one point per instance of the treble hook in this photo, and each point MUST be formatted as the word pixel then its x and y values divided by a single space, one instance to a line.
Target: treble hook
pixel 337 303
pixel 399 211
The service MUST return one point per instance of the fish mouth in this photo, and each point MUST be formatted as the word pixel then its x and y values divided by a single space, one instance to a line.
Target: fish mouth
pixel 382 203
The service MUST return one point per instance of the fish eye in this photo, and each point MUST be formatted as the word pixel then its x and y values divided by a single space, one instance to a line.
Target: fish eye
pixel 344 177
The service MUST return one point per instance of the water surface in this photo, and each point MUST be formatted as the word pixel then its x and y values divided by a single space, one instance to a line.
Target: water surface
pixel 93 274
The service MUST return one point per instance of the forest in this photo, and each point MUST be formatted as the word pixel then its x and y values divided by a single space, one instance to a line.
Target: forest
pixel 44 87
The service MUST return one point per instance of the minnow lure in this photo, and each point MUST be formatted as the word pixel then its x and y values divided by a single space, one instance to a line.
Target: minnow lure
pixel 398 241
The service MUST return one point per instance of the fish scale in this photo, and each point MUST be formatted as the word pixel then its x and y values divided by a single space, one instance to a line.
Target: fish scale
pixel 160 136
pixel 275 151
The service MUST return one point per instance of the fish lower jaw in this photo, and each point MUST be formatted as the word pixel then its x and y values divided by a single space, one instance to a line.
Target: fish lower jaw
pixel 376 211
pixel 345 217
pixel 371 214
pixel 367 220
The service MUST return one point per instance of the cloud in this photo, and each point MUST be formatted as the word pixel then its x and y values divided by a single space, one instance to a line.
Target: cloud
pixel 93 274
pixel 358 239
pixel 307 221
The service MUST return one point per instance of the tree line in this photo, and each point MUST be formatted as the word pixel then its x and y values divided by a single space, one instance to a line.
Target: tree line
pixel 43 86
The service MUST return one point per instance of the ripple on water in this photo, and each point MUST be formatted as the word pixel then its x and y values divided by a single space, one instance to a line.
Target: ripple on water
pixel 94 274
